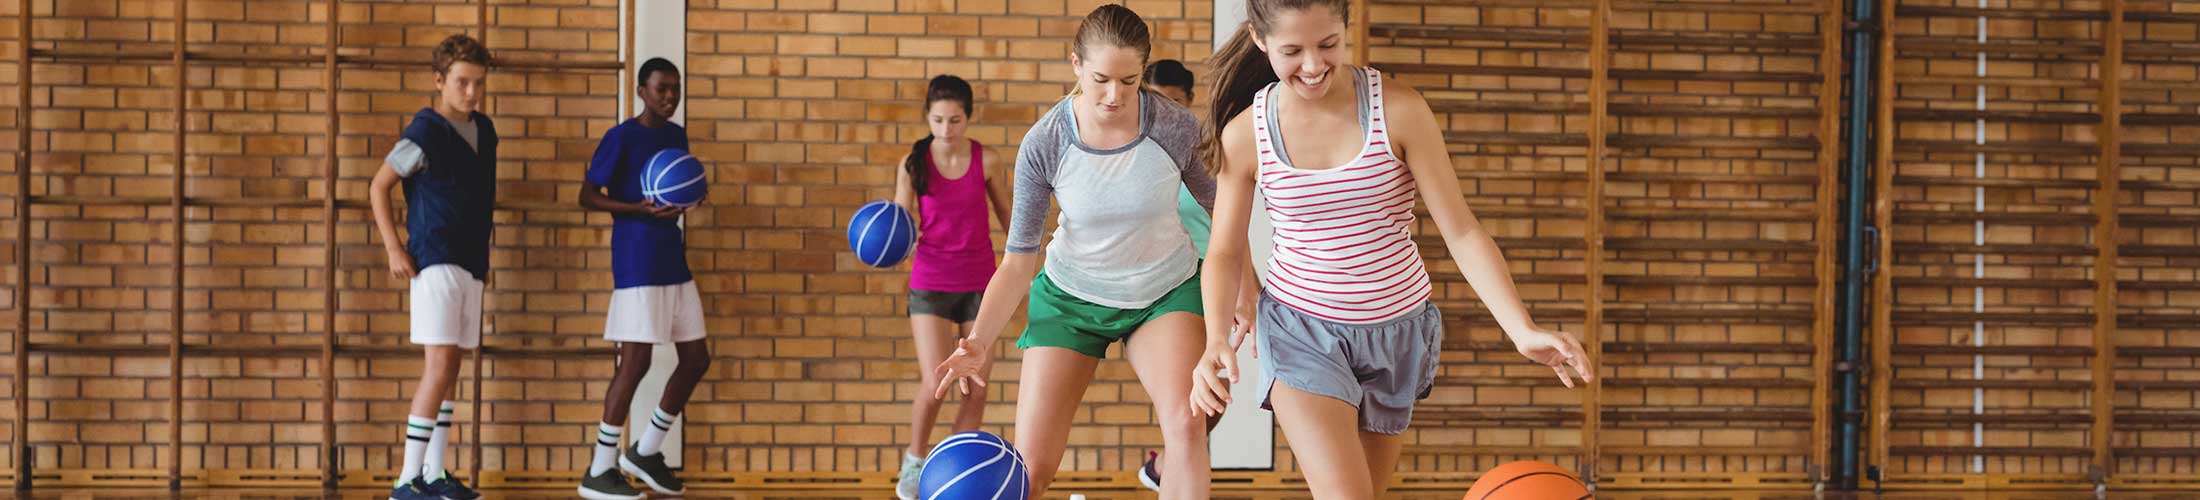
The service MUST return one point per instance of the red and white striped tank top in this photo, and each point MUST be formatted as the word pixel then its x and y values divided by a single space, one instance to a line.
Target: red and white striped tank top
pixel 1342 251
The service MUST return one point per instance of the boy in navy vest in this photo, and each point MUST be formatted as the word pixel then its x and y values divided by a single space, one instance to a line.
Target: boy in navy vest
pixel 447 160
pixel 655 300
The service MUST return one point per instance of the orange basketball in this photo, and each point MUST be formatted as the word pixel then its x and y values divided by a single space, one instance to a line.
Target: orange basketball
pixel 1528 480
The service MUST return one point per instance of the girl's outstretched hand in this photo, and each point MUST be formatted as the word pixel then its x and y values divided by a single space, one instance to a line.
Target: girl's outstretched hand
pixel 961 369
pixel 1558 350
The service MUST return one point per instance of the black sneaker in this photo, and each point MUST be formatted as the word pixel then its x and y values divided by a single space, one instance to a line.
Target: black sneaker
pixel 450 488
pixel 1150 473
pixel 412 490
pixel 652 471
pixel 610 485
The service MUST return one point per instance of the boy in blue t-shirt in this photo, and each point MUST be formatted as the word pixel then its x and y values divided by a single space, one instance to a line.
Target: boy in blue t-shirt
pixel 655 301
pixel 447 162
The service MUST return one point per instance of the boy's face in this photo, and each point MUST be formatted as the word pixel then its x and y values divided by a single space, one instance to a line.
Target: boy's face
pixel 1174 93
pixel 661 93
pixel 461 86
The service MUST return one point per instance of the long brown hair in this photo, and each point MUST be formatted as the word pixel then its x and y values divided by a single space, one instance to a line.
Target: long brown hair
pixel 1112 25
pixel 1241 68
pixel 942 88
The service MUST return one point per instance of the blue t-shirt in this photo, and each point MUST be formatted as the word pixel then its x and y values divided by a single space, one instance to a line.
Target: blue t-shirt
pixel 645 251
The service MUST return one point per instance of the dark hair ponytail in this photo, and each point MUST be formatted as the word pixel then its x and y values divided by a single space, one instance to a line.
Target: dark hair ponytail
pixel 1241 69
pixel 942 88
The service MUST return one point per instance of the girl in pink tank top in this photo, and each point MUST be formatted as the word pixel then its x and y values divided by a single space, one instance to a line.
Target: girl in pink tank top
pixel 1348 338
pixel 945 183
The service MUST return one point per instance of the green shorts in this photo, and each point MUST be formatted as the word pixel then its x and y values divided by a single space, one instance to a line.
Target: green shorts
pixel 1058 319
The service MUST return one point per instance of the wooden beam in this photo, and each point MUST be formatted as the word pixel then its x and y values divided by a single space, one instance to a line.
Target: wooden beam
pixel 21 437
pixel 1882 296
pixel 473 420
pixel 1592 324
pixel 329 474
pixel 1824 266
pixel 2105 240
pixel 175 206
pixel 1361 29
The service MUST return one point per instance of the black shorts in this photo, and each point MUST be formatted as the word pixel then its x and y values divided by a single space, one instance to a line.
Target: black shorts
pixel 955 307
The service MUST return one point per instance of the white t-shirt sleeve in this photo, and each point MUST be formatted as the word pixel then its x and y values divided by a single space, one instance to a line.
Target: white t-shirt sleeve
pixel 406 158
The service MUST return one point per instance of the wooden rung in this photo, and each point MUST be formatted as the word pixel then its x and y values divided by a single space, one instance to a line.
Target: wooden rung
pixel 1725 415
pixel 1709 178
pixel 1449 450
pixel 1694 483
pixel 2158 351
pixel 1714 39
pixel 1991 350
pixel 1926 419
pixel 1998 451
pixel 2161 17
pixel 1998 12
pixel 1720 214
pixel 1715 76
pixel 100 201
pixel 1659 109
pixel 1904 247
pixel 1464 381
pixel 1995 115
pixel 1996 218
pixel 2156 220
pixel 1997 81
pixel 2160 119
pixel 1470 413
pixel 1480 33
pixel 2158 250
pixel 1703 451
pixel 1490 107
pixel 2020 283
pixel 1518 212
pixel 1520 175
pixel 2158 385
pixel 2187 418
pixel 1918 47
pixel 1474 70
pixel 1708 245
pixel 114 350
pixel 1667 315
pixel 1719 7
pixel 2133 149
pixel 1674 141
pixel 1764 383
pixel 2188 452
pixel 1456 139
pixel 1637 280
pixel 1966 318
pixel 2159 185
pixel 2158 320
pixel 1959 383
pixel 1703 348
pixel 1913 180
pixel 2024 147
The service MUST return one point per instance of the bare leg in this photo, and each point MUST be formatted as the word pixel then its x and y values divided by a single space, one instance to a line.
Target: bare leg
pixel 935 340
pixel 1051 387
pixel 1163 353
pixel 694 362
pixel 1324 436
pixel 633 364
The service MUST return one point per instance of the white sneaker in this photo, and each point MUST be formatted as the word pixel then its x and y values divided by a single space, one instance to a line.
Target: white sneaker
pixel 912 469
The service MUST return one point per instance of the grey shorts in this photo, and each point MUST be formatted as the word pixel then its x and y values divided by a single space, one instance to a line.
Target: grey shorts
pixel 1381 368
pixel 955 307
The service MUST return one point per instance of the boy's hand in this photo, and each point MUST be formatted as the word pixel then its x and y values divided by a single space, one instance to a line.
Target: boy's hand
pixel 401 265
pixel 649 207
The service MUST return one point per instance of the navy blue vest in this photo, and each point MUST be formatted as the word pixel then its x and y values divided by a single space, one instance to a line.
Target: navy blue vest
pixel 450 203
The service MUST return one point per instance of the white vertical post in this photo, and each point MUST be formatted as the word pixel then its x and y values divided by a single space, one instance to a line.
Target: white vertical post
pixel 1246 438
pixel 660 30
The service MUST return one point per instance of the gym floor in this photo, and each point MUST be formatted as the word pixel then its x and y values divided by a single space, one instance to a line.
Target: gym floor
pixel 87 494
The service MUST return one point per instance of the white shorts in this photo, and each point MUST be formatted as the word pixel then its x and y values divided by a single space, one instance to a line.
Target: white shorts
pixel 446 307
pixel 663 314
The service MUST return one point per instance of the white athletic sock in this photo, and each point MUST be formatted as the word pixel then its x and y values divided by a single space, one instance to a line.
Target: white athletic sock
pixel 607 449
pixel 653 437
pixel 417 432
pixel 432 465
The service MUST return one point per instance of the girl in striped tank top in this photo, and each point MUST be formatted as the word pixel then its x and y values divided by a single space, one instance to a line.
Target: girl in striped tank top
pixel 1348 339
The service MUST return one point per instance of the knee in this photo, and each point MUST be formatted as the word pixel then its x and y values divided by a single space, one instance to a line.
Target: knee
pixel 694 366
pixel 1179 422
pixel 633 366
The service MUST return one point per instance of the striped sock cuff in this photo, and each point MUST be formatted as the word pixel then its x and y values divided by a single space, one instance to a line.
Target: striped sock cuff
pixel 661 420
pixel 607 434
pixel 419 428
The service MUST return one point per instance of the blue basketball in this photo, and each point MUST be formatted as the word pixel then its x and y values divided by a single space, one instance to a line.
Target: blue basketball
pixel 973 465
pixel 881 234
pixel 674 177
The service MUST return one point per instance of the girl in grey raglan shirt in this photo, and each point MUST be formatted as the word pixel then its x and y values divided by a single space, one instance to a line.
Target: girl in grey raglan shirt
pixel 1121 266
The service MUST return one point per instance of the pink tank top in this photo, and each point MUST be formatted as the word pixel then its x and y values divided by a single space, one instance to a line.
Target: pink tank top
pixel 954 238
pixel 1342 250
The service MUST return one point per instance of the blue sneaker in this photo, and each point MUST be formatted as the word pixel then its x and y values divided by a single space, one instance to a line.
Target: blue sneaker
pixel 450 488
pixel 412 490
